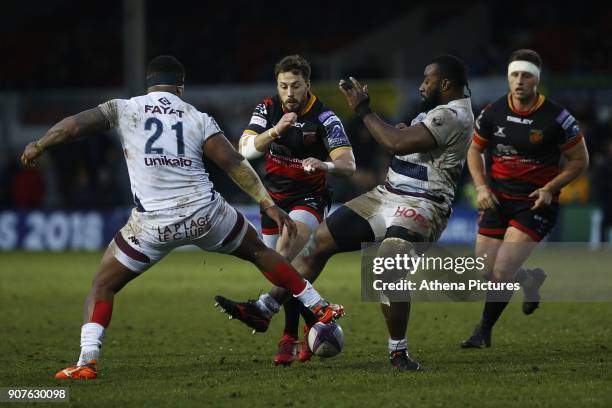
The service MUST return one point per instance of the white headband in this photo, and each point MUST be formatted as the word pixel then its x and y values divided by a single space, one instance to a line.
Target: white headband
pixel 524 66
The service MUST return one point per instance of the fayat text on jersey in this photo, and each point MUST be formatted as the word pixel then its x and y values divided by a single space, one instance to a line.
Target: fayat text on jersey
pixel 163 110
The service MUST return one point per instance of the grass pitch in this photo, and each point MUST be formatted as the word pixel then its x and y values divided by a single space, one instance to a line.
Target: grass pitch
pixel 168 346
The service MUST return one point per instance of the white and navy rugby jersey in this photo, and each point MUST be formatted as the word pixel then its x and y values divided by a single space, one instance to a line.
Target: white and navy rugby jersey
pixel 434 174
pixel 162 138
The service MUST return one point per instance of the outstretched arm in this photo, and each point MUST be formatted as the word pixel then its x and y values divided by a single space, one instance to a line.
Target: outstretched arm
pixel 398 141
pixel 221 151
pixel 66 130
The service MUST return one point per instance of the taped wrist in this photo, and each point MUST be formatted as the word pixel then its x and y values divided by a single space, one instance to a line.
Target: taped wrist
pixel 38 146
pixel 363 108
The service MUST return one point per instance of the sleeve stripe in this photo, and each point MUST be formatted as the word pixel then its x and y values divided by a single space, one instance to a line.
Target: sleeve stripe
pixel 249 132
pixel 339 150
pixel 479 140
pixel 573 142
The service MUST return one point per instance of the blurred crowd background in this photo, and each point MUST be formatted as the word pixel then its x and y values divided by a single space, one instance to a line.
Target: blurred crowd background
pixel 63 57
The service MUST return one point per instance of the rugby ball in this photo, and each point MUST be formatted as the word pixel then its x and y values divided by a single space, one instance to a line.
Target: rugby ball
pixel 326 340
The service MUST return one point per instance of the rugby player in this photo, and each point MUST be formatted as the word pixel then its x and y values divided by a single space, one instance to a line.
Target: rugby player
pixel 428 158
pixel 525 135
pixel 164 139
pixel 297 133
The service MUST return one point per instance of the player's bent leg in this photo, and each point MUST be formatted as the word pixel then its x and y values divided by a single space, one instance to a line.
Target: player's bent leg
pixel 289 248
pixel 257 314
pixel 320 246
pixel 343 231
pixel 512 253
pixel 273 266
pixel 316 252
pixel 310 261
pixel 491 230
pixel 398 241
pixel 530 279
pixel 111 277
pixel 486 248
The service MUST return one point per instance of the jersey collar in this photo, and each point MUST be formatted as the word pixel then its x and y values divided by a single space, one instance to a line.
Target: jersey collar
pixel 535 107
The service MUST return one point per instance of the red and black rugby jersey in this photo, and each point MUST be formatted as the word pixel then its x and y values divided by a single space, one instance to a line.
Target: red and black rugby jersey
pixel 524 146
pixel 317 133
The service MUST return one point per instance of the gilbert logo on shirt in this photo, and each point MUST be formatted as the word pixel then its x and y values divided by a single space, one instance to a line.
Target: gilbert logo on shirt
pixel 165 161
pixel 500 131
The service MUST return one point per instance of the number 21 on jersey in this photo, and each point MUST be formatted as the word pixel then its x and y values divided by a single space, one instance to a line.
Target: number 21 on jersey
pixel 158 127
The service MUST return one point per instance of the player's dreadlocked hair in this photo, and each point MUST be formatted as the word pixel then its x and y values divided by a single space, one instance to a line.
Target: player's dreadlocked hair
pixel 453 69
pixel 295 64
pixel 165 70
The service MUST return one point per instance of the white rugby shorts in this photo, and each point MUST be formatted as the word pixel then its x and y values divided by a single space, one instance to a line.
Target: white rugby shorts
pixel 149 236
pixel 383 209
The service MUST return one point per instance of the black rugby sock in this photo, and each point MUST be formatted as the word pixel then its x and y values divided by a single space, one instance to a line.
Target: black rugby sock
pixel 495 303
pixel 308 316
pixel 292 316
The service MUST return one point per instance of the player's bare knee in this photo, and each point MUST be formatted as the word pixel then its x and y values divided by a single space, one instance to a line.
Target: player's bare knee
pixel 321 242
pixel 503 271
pixel 391 246
pixel 252 248
pixel 289 248
pixel 398 240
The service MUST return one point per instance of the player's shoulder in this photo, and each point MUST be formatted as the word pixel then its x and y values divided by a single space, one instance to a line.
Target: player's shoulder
pixel 458 110
pixel 500 105
pixel 561 116
pixel 266 105
pixel 271 100
pixel 113 109
pixel 552 107
pixel 325 116
pixel 116 102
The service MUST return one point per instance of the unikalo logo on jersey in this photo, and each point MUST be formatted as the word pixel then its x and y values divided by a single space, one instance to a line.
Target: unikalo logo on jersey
pixel 165 161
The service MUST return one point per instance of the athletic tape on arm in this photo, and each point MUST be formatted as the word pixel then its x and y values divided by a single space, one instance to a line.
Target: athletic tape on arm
pixel 247 147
